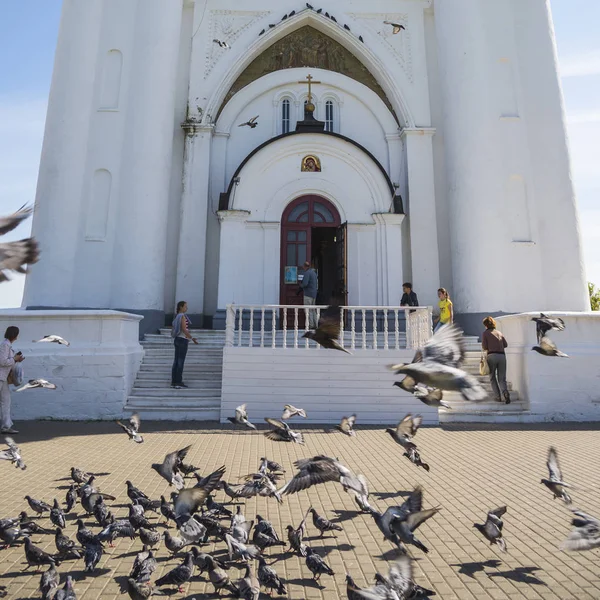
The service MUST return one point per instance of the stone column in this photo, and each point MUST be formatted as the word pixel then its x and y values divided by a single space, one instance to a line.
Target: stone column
pixel 194 213
pixel 422 215
pixel 389 258
pixel 61 184
pixel 139 261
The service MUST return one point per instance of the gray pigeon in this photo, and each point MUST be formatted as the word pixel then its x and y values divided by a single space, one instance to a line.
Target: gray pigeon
pixel 179 575
pixel 585 534
pixel 188 501
pixel 248 587
pixel 269 579
pixel 13 453
pixel 49 581
pixel 38 506
pixel 316 565
pixel 36 557
pixel 241 417
pixel 430 396
pixel 544 324
pixel 57 516
pixel 402 435
pixel 93 554
pixel 281 432
pixel 346 425
pixel 168 469
pixel 71 498
pixel 290 411
pixel 238 549
pixel 149 537
pixel 217 575
pixel 174 544
pixel 67 592
pixel 492 528
pixel 555 482
pixel 132 428
pixel 361 498
pixel 323 524
pixel 140 590
pixel 547 348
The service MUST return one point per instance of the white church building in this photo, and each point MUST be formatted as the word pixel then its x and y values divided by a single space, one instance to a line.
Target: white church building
pixel 202 150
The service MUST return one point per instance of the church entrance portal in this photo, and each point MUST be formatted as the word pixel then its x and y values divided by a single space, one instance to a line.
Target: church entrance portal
pixel 311 230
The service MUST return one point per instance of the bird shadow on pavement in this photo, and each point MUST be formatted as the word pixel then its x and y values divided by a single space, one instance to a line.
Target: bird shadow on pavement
pixel 345 515
pixel 389 495
pixel 470 568
pixel 390 554
pixel 121 581
pixel 306 582
pixel 82 575
pixel 27 573
pixel 521 575
pixel 325 550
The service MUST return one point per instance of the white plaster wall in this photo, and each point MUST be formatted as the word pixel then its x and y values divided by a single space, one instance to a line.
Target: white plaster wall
pixel 556 389
pixel 93 375
pixel 327 384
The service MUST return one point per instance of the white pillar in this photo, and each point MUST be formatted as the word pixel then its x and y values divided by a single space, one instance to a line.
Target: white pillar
pixel 62 166
pixel 426 276
pixel 231 256
pixel 271 261
pixel 140 246
pixel 389 258
pixel 194 213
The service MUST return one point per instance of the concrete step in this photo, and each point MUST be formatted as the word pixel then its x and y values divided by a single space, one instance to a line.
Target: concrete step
pixel 175 412
pixel 165 383
pixel 170 393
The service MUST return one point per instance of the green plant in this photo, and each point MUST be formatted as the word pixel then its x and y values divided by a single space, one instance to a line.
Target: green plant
pixel 594 296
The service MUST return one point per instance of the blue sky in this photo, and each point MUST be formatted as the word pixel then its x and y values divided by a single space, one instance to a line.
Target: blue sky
pixel 28 32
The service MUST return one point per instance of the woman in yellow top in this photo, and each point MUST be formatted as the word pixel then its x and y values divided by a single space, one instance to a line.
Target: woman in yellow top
pixel 446 309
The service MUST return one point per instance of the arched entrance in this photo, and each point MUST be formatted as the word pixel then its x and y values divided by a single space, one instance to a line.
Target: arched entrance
pixel 311 229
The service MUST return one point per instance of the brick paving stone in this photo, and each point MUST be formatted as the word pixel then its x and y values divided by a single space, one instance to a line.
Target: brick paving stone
pixel 474 468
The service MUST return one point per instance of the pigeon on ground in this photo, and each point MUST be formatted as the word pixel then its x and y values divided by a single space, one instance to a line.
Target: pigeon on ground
pixel 323 524
pixel 121 528
pixel 146 504
pixel 585 534
pixel 546 348
pixel 26 523
pixel 316 565
pixel 328 330
pixel 90 497
pixel 11 533
pixel 71 498
pixel 320 469
pixel 217 575
pixel 138 519
pixel 241 417
pixel 79 475
pixel 216 507
pixel 397 27
pixel 57 516
pixel 55 339
pixel 190 500
pixel 173 543
pixel 193 532
pixel 270 465
pixel 144 566
pixel 361 498
pixel 84 535
pixel 252 123
pixel 295 536
pixel 38 506
pixel 269 579
pixel 36 557
pixel 238 549
pixel 232 492
pixel 264 534
pixel 238 518
pixel 290 411
pixel 282 432
pixel 166 509
pixel 93 554
pixel 179 575
pixel 49 581
pixel 15 255
pixel 13 453
pixel 241 531
pixel 141 590
pixel 248 587
pixel 37 383
pixel 437 365
pixel 169 468
pixel 101 512
pixel 492 528
pixel 133 428
pixel 149 537
pixel 544 324
pixel 399 522
pixel 222 44
pixel 555 482
pixel 346 425
pixel 202 560
pixel 65 545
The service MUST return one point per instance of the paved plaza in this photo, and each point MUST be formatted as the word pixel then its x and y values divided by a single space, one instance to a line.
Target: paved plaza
pixel 473 469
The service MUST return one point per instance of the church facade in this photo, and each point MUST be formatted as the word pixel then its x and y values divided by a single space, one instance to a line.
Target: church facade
pixel 203 150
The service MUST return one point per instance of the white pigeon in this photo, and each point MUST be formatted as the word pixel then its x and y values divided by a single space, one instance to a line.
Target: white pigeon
pixel 241 417
pixel 13 454
pixel 56 339
pixel 290 411
pixel 37 383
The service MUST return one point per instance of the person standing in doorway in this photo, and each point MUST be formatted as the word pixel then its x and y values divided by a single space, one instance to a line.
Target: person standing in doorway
pixel 8 359
pixel 446 309
pixel 310 285
pixel 494 343
pixel 182 336
pixel 409 298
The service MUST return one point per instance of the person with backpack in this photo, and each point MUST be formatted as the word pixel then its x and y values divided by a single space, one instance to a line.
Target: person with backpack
pixel 181 338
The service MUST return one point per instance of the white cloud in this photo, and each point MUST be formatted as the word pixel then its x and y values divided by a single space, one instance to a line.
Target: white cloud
pixel 580 65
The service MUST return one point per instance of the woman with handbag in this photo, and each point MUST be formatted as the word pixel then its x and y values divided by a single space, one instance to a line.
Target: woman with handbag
pixel 493 344
pixel 8 359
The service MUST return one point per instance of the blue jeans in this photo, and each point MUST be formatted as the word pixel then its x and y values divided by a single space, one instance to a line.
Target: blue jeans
pixel 181 348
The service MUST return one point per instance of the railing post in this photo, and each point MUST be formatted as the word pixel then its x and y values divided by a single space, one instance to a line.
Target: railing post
pixel 364 329
pixel 241 326
pixel 409 329
pixel 229 325
pixel 295 327
pixel 374 329
pixel 251 327
pixel 273 330
pixel 353 328
pixel 385 329
pixel 284 327
pixel 262 327
pixel 341 340
pixel 396 330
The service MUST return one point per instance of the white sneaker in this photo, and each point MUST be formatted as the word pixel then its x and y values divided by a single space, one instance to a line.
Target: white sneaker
pixel 8 430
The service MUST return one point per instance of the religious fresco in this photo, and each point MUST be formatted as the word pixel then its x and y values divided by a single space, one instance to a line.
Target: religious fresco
pixel 307 47
pixel 311 164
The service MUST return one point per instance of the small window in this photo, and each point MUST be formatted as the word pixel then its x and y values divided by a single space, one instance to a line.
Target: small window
pixel 329 116
pixel 298 212
pixel 285 116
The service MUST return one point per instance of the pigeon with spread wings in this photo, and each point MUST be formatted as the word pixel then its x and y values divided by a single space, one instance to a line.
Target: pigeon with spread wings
pixel 169 468
pixel 133 428
pixel 13 453
pixel 56 339
pixel 346 425
pixel 252 123
pixel 190 500
pixel 555 481
pixel 547 347
pixel 37 383
pixel 585 534
pixel 15 255
pixel 544 324
pixel 492 528
pixel 281 432
pixel 241 417
pixel 290 411
pixel 397 27
pixel 328 330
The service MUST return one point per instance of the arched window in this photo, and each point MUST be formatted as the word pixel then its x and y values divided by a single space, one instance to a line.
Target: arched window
pixel 329 116
pixel 285 116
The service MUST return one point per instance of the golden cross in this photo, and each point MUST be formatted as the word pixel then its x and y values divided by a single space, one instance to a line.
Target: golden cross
pixel 310 82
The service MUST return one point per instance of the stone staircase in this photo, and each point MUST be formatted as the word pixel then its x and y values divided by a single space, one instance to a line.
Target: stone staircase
pixel 153 398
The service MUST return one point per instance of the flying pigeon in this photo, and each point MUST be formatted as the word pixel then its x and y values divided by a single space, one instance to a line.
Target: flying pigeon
pixel 328 330
pixel 396 26
pixel 290 411
pixel 282 432
pixel 252 123
pixel 430 396
pixel 437 365
pixel 361 498
pixel 170 466
pixel 546 348
pixel 55 339
pixel 492 528
pixel 7 224
pixel 555 482
pixel 241 417
pixel 132 428
pixel 222 44
pixel 323 524
pixel 545 324
pixel 402 435
pixel 269 579
pixel 346 425
pixel 270 465
pixel 37 383
pixel 188 501
pixel 13 453
pixel 15 255
pixel 585 534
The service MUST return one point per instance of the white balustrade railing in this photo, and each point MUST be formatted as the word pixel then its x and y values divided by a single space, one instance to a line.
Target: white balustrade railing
pixel 361 327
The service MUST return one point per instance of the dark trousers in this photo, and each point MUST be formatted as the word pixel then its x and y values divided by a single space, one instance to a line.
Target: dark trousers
pixel 181 348
pixel 497 365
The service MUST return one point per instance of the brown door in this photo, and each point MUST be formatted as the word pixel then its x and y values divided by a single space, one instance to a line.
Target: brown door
pixel 341 253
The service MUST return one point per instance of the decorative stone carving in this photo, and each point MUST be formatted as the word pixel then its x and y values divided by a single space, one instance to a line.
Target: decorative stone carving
pixel 399 44
pixel 227 26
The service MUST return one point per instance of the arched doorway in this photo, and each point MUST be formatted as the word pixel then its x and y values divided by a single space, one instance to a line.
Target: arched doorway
pixel 311 229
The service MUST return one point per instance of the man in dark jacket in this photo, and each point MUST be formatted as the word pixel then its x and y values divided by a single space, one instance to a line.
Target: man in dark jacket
pixel 409 298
